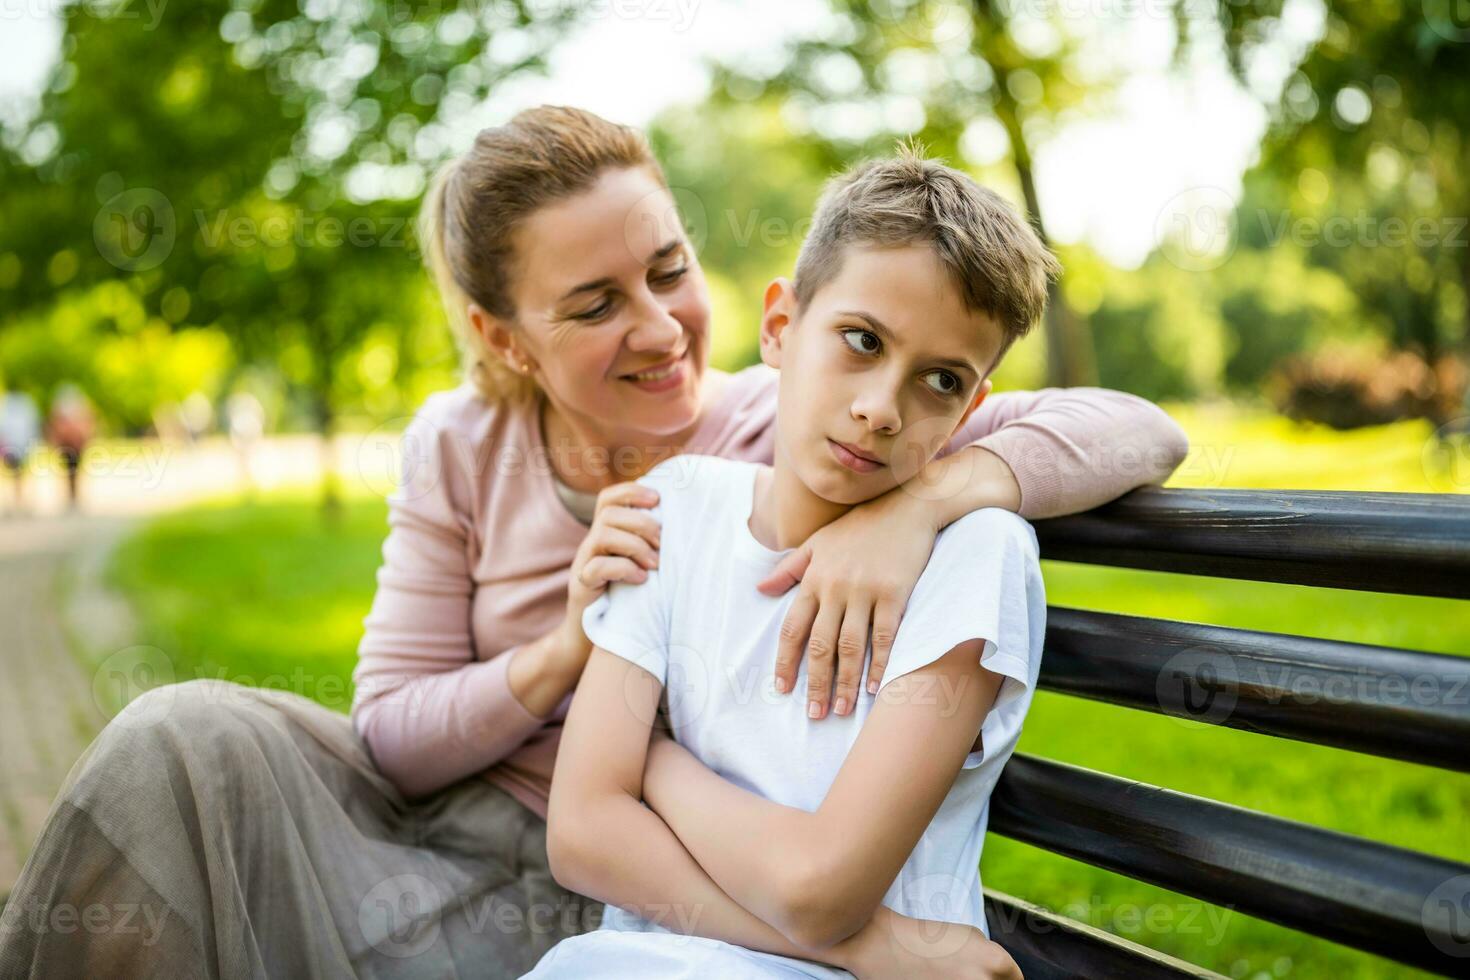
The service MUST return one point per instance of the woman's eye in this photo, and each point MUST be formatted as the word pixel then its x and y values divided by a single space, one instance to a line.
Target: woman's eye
pixel 671 277
pixel 862 341
pixel 596 313
pixel 943 382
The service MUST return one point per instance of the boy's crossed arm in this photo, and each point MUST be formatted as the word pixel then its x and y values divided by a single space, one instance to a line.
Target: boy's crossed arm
pixel 605 843
pixel 819 876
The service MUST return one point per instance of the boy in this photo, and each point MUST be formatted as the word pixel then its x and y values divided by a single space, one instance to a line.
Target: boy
pixel 763 840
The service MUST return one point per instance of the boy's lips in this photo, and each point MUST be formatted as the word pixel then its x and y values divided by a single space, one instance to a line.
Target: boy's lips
pixel 854 458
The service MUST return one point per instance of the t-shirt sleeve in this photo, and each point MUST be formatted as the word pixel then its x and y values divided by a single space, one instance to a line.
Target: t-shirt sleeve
pixel 983 582
pixel 631 620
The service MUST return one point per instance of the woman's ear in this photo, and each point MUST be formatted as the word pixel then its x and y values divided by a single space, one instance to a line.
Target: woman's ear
pixel 500 338
pixel 779 312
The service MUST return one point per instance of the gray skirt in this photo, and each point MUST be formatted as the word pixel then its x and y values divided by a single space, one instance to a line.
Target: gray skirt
pixel 214 830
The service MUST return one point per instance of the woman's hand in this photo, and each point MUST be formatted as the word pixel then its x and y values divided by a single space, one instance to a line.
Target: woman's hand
pixel 854 576
pixel 621 546
pixel 894 945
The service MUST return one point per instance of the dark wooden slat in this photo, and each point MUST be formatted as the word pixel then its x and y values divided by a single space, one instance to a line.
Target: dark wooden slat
pixel 1047 946
pixel 1415 543
pixel 1402 704
pixel 1386 900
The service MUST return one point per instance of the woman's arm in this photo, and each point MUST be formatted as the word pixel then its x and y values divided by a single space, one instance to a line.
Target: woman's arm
pixel 1037 453
pixel 1071 449
pixel 818 876
pixel 430 711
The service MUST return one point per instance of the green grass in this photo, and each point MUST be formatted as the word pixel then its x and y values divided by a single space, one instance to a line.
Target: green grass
pixel 265 593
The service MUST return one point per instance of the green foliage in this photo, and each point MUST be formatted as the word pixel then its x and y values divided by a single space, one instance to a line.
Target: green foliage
pixel 253 168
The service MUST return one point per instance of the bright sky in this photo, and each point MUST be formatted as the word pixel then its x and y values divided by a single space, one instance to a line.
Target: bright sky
pixel 1111 180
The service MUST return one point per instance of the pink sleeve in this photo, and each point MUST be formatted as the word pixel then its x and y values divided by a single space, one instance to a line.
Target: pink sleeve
pixel 430 711
pixel 1073 449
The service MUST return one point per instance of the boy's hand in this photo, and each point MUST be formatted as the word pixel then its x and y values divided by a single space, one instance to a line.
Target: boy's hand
pixel 854 577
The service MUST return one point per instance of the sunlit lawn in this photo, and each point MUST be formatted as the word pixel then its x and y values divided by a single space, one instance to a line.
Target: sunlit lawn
pixel 266 593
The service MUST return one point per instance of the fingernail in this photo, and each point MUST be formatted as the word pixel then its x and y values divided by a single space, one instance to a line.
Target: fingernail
pixel 780 685
pixel 813 709
pixel 841 706
pixel 872 687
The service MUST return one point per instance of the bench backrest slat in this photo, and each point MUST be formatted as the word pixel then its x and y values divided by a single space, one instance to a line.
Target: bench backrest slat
pixel 1402 704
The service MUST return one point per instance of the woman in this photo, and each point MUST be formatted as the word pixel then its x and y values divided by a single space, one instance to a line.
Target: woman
pixel 270 838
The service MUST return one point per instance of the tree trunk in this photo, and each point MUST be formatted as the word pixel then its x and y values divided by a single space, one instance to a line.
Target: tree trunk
pixel 1071 358
pixel 326 427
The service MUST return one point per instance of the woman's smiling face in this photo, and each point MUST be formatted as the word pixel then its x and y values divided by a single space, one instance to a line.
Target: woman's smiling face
pixel 612 307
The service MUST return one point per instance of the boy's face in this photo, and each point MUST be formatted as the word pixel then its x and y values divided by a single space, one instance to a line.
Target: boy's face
pixel 877 373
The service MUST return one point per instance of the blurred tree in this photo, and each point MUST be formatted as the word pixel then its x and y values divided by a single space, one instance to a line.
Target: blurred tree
pixel 251 165
pixel 1366 168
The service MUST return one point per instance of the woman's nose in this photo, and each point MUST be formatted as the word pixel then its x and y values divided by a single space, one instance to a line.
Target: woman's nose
pixel 657 329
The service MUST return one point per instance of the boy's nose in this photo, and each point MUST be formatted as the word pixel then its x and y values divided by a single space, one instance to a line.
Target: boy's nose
pixel 878 410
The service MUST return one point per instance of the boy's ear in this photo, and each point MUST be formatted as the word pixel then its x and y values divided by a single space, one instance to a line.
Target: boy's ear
pixel 780 310
pixel 984 390
pixel 501 339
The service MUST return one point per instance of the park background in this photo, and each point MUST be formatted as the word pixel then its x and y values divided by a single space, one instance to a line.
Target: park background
pixel 1261 207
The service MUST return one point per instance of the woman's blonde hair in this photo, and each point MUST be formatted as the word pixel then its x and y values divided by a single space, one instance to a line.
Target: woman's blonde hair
pixel 477 202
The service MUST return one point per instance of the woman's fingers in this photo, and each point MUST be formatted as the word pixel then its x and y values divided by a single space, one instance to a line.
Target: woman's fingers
pixel 852 647
pixel 602 569
pixel 636 520
pixel 787 573
pixel 885 627
pixel 616 541
pixel 629 494
pixel 794 630
pixel 821 652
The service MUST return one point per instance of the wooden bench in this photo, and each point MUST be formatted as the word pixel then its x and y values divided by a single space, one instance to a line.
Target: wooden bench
pixel 1391 901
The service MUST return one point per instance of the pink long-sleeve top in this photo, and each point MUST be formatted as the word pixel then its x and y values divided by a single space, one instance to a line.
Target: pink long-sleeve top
pixel 480 545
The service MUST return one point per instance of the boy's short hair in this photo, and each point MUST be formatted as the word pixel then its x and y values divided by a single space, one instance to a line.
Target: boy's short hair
pixel 997 259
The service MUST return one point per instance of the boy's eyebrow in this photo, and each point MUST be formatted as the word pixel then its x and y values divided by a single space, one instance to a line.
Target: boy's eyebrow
pixel 881 330
pixel 662 252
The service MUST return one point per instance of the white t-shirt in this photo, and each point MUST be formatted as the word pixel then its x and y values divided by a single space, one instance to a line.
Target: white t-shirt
pixel 699 626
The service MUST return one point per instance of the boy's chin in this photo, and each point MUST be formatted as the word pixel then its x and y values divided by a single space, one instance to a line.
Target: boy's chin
pixel 847 488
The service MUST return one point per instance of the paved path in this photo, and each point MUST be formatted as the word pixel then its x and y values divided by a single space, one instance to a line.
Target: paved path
pixel 56 615
pixel 47 712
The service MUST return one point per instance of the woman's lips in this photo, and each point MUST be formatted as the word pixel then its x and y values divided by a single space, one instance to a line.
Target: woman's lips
pixel 660 377
pixel 848 457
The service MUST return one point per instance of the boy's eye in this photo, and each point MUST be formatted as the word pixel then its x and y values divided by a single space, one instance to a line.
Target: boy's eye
pixel 862 341
pixel 943 382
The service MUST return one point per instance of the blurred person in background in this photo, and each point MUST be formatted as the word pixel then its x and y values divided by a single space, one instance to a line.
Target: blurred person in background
pixel 69 429
pixel 245 418
pixel 20 428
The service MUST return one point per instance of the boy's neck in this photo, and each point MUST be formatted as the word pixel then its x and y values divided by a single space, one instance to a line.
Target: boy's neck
pixel 785 512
